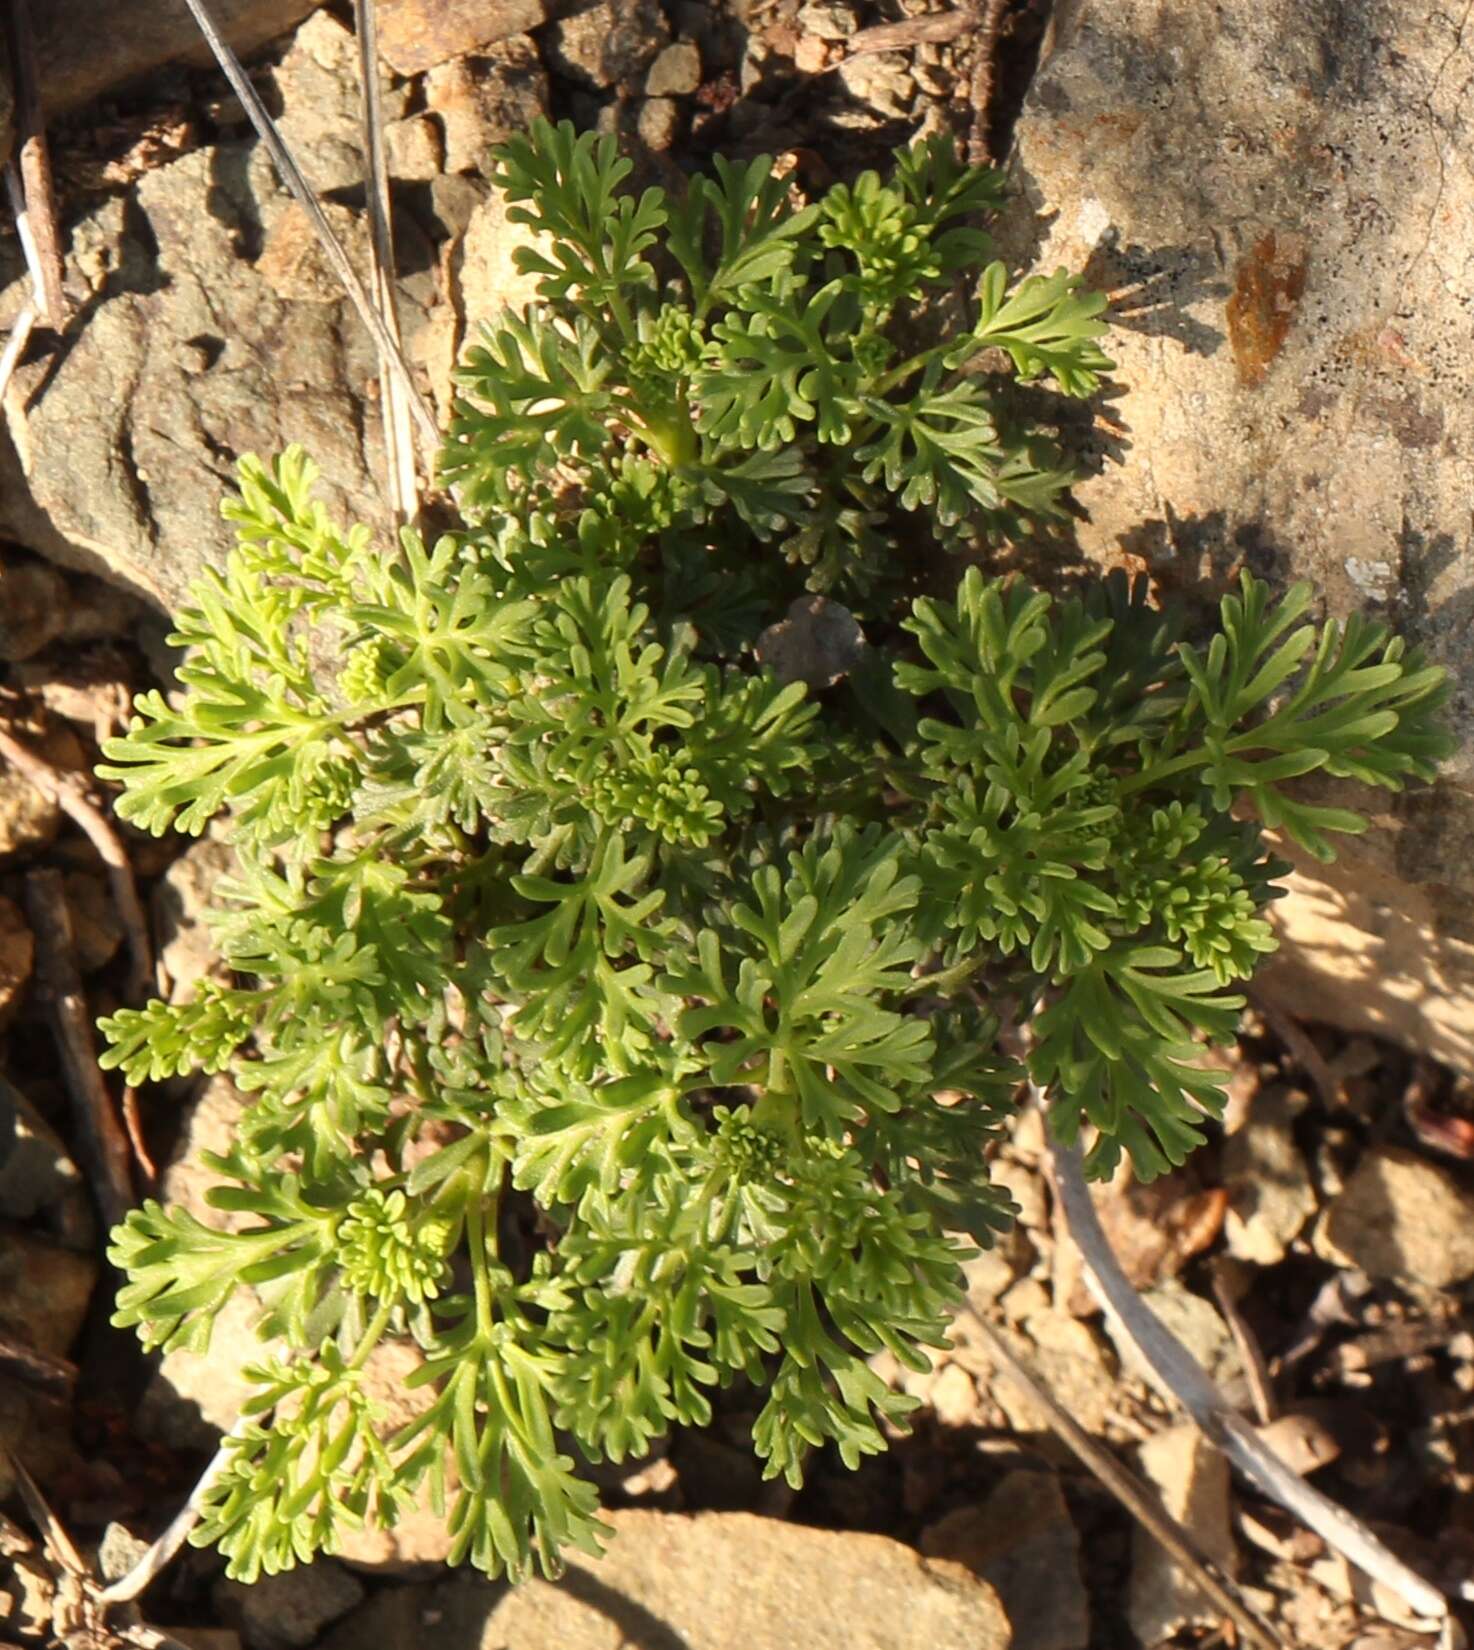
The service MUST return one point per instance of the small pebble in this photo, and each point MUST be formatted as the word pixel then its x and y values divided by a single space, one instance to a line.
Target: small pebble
pixel 659 123
pixel 676 72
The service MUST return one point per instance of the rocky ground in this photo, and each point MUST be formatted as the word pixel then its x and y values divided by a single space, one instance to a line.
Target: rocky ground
pixel 1317 1258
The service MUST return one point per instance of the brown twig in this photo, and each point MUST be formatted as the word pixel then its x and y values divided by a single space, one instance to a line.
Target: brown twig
pixel 78 806
pixel 34 166
pixel 103 1145
pixel 934 28
pixel 988 17
pixel 1261 1388
pixel 143 1161
pixel 58 1544
pixel 1137 1499
pixel 34 1368
pixel 89 1603
pixel 1301 1048
pixel 1178 1374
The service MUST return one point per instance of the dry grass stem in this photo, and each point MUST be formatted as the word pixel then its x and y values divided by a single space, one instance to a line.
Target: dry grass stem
pixel 15 345
pixel 1136 1497
pixel 399 438
pixel 1178 1375
pixel 291 175
pixel 35 210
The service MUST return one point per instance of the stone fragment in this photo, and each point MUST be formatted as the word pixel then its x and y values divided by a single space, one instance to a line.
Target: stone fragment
pixel 38 1180
pixel 819 641
pixel 676 72
pixel 1302 1441
pixel 1274 213
pixel 1400 1216
pixel 89 687
pixel 1270 1195
pixel 33 606
pixel 289 1611
pixel 484 268
pixel 118 1552
pixel 181 898
pixel 83 60
pixel 718 1581
pixel 659 123
pixel 485 100
pixel 1192 1479
pixel 293 263
pixel 321 118
pixel 810 54
pixel 1068 1358
pixel 1195 1322
pixel 609 43
pixel 415 35
pixel 44 1291
pixel 414 149
pixel 881 82
pixel 828 19
pixel 1022 1543
pixel 97 931
pixel 954 1398
pixel 1154 1227
pixel 30 819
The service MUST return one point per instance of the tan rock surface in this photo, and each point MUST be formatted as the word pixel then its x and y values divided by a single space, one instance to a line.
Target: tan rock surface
pixel 1401 1216
pixel 1276 200
pixel 711 1582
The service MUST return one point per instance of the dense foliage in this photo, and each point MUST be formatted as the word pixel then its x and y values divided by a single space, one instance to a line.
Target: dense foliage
pixel 618 1020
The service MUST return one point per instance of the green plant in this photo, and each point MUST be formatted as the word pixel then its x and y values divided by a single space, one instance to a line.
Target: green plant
pixel 618 1020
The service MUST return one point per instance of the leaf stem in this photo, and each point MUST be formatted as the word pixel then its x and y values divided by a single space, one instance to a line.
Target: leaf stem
pixel 372 1334
pixel 476 1243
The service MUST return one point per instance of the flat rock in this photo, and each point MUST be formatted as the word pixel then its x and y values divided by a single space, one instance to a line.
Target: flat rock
pixel 289 1611
pixel 83 60
pixel 676 72
pixel 179 904
pixel 709 1582
pixel 189 360
pixel 1021 1542
pixel 415 35
pixel 115 455
pixel 1192 1479
pixel 1400 1216
pixel 39 1182
pixel 44 1291
pixel 606 44
pixel 1276 202
pixel 486 99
